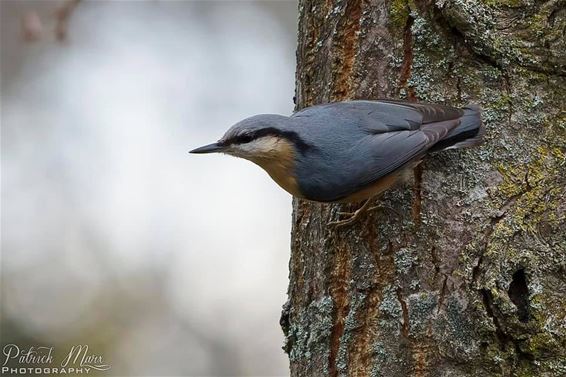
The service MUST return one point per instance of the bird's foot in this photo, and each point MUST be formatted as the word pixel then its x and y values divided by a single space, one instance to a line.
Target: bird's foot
pixel 352 217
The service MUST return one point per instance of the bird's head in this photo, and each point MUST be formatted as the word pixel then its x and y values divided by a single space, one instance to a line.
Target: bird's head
pixel 260 139
pixel 270 142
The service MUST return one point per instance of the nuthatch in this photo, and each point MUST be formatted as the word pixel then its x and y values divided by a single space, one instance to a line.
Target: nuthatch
pixel 348 151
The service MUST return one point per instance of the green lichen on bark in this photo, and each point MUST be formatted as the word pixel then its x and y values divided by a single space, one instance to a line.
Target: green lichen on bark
pixel 399 12
pixel 529 34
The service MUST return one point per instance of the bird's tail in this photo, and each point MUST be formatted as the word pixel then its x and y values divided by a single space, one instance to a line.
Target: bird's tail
pixel 469 132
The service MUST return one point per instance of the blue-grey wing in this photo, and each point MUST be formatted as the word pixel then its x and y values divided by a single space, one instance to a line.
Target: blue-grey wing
pixel 364 141
pixel 342 173
pixel 381 115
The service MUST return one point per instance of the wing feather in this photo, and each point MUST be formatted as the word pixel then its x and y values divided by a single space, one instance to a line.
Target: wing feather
pixel 390 151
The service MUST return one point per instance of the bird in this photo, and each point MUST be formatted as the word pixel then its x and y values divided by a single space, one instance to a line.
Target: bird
pixel 350 151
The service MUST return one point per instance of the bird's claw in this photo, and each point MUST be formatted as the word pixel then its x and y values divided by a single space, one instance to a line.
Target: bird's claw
pixel 355 216
pixel 352 218
pixel 342 223
pixel 346 213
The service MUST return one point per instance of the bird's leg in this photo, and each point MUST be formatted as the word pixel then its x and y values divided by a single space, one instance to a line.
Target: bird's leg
pixel 353 216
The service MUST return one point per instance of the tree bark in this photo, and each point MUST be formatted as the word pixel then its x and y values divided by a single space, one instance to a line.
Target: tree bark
pixel 469 278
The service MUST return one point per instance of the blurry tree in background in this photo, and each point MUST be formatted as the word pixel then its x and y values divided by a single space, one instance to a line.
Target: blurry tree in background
pixel 470 279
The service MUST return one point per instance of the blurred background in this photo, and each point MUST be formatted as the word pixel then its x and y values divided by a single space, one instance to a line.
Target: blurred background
pixel 164 263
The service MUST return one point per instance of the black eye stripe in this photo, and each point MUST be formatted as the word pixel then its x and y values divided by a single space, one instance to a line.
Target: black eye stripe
pixel 269 131
pixel 247 137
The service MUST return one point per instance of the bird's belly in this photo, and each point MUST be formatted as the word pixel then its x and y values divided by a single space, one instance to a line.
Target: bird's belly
pixel 378 187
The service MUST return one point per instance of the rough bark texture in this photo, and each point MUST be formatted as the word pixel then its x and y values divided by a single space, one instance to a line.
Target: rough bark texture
pixel 469 279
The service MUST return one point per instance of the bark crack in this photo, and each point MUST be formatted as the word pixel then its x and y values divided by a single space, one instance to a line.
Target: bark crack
pixel 405 310
pixel 442 293
pixel 434 259
pixel 406 66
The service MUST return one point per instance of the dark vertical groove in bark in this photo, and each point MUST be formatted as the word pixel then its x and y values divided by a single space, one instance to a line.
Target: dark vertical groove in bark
pixel 405 311
pixel 407 59
pixel 442 293
pixel 417 193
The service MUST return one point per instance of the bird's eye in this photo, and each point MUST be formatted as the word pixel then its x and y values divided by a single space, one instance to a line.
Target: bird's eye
pixel 242 139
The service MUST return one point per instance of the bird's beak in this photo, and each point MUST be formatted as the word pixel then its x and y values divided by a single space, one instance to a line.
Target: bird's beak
pixel 210 148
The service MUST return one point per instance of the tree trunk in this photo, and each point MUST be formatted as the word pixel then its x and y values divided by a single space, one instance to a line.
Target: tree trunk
pixel 469 278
